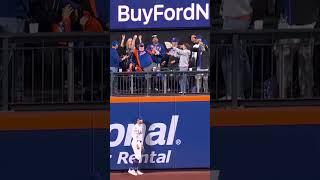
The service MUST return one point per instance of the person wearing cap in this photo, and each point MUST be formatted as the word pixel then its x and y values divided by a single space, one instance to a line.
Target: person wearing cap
pixel 172 60
pixel 156 50
pixel 184 57
pixel 142 61
pixel 137 146
pixel 114 64
pixel 145 60
pixel 114 57
pixel 200 46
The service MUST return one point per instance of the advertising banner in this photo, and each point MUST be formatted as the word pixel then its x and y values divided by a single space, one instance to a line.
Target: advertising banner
pixel 176 134
pixel 141 14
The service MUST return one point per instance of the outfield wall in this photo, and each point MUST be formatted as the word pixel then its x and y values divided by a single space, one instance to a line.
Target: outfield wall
pixel 266 143
pixel 60 145
pixel 177 131
pixel 253 143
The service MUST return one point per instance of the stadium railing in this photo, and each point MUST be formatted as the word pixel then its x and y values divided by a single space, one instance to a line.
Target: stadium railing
pixel 159 83
pixel 261 86
pixel 71 68
pixel 54 68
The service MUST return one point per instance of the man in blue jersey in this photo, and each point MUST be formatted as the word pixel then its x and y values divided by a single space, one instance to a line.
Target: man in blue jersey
pixel 156 50
pixel 143 62
pixel 114 65
pixel 143 59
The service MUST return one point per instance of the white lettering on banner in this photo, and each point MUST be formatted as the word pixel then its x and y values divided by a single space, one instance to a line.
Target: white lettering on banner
pixel 160 134
pixel 138 18
pixel 121 132
pixel 185 13
pixel 156 12
pixel 152 158
pixel 155 135
pixel 194 12
pixel 179 10
pixel 124 13
pixel 169 14
pixel 147 15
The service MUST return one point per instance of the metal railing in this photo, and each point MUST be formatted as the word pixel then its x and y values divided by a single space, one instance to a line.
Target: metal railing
pixel 159 83
pixel 54 68
pixel 265 67
pixel 70 68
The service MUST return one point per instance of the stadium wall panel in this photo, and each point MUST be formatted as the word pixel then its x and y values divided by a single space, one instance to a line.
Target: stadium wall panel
pixel 266 143
pixel 177 131
pixel 53 145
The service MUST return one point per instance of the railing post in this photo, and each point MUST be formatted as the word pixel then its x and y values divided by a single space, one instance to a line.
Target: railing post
pixel 70 73
pixel 131 83
pixel 111 83
pixel 4 75
pixel 198 76
pixel 165 84
pixel 148 77
pixel 235 67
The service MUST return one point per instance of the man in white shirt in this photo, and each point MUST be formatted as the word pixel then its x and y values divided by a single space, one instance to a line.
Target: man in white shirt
pixel 137 135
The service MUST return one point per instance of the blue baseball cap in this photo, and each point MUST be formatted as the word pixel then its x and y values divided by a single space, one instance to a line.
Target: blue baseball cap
pixel 115 43
pixel 199 37
pixel 174 39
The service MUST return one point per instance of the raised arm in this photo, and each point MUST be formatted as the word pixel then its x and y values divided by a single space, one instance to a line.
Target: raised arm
pixel 182 52
pixel 123 36
pixel 140 38
pixel 134 42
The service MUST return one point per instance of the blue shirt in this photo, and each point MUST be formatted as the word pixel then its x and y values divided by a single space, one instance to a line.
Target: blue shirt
pixel 145 59
pixel 114 58
pixel 159 47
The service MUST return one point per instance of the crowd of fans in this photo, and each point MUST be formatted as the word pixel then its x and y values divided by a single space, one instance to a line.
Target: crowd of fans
pixel 133 54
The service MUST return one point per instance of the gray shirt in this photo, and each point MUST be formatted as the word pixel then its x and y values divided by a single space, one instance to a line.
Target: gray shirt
pixel 184 57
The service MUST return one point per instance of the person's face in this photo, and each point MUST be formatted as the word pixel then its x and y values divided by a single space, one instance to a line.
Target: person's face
pixel 140 121
pixel 155 40
pixel 129 42
pixel 184 47
pixel 141 48
pixel 175 44
pixel 193 39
